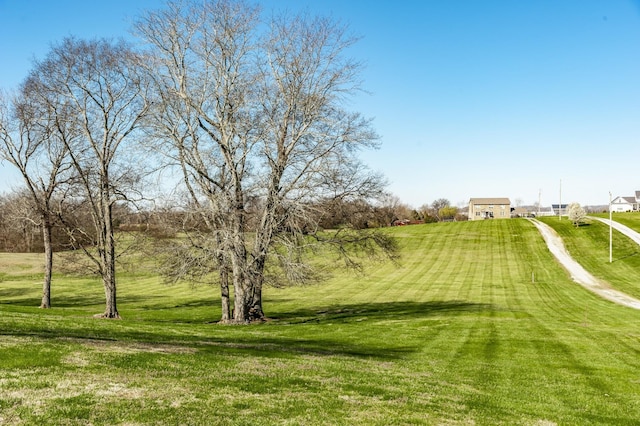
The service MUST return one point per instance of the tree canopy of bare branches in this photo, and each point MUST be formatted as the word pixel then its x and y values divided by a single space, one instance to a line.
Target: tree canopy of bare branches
pixel 93 94
pixel 28 142
pixel 253 114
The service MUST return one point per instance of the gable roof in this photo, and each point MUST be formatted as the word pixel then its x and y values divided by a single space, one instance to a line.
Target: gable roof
pixel 489 201
pixel 629 200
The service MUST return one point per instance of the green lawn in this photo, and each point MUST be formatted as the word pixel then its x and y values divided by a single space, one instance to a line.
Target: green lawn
pixel 477 325
pixel 589 244
pixel 630 219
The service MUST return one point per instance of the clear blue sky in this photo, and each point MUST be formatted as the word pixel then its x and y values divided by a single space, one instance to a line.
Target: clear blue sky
pixel 491 98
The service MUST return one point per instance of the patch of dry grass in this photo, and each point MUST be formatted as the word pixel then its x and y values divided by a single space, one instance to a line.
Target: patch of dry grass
pixel 129 347
pixel 20 264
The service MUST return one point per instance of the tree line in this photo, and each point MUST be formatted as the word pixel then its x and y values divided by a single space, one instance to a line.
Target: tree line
pixel 440 210
pixel 242 124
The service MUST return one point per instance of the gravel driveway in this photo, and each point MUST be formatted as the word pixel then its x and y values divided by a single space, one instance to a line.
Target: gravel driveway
pixel 621 228
pixel 578 273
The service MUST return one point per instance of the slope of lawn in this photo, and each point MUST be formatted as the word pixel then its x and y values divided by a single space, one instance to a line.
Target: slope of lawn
pixel 630 219
pixel 589 244
pixel 477 324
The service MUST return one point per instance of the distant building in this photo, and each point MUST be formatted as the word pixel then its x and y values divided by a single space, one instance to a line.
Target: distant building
pixel 531 211
pixel 545 211
pixel 559 209
pixel 625 204
pixel 489 208
pixel 521 212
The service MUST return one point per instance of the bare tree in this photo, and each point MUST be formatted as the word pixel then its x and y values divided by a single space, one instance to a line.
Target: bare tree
pixel 438 206
pixel 390 208
pixel 201 72
pixel 254 118
pixel 29 143
pixel 21 224
pixel 94 94
pixel 427 214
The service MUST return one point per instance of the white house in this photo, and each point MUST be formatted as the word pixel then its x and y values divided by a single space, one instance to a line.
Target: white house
pixel 625 204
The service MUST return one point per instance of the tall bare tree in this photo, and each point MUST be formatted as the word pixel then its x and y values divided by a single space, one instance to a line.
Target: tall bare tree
pixel 254 116
pixel 437 207
pixel 308 141
pixel 93 91
pixel 201 72
pixel 29 143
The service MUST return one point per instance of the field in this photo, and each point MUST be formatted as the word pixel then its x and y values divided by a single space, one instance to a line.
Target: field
pixel 477 324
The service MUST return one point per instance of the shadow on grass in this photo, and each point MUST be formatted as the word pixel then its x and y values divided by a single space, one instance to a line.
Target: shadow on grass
pixel 237 344
pixel 267 340
pixel 16 292
pixel 67 301
pixel 379 311
pixel 273 347
pixel 196 303
pixel 625 257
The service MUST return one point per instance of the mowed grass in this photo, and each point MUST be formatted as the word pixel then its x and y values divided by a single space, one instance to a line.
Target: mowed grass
pixel 589 244
pixel 477 324
pixel 630 219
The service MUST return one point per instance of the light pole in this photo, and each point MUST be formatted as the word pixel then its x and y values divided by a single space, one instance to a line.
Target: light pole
pixel 560 205
pixel 539 199
pixel 610 231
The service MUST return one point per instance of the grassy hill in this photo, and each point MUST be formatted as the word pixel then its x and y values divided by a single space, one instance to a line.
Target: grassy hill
pixel 477 324
pixel 630 219
pixel 589 244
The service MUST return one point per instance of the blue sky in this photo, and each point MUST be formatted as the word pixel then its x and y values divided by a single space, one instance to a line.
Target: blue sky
pixel 471 98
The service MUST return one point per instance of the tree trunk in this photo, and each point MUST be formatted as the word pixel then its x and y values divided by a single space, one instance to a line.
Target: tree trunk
pixel 224 295
pixel 241 278
pixel 242 299
pixel 256 313
pixel 241 284
pixel 109 262
pixel 111 309
pixel 263 239
pixel 109 282
pixel 48 263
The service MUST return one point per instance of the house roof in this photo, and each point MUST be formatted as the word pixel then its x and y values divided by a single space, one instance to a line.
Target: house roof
pixel 489 201
pixel 629 200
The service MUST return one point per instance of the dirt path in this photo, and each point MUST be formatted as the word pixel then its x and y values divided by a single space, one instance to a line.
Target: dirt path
pixel 578 273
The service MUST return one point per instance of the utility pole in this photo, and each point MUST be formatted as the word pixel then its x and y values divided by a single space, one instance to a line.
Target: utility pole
pixel 560 205
pixel 610 230
pixel 539 198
